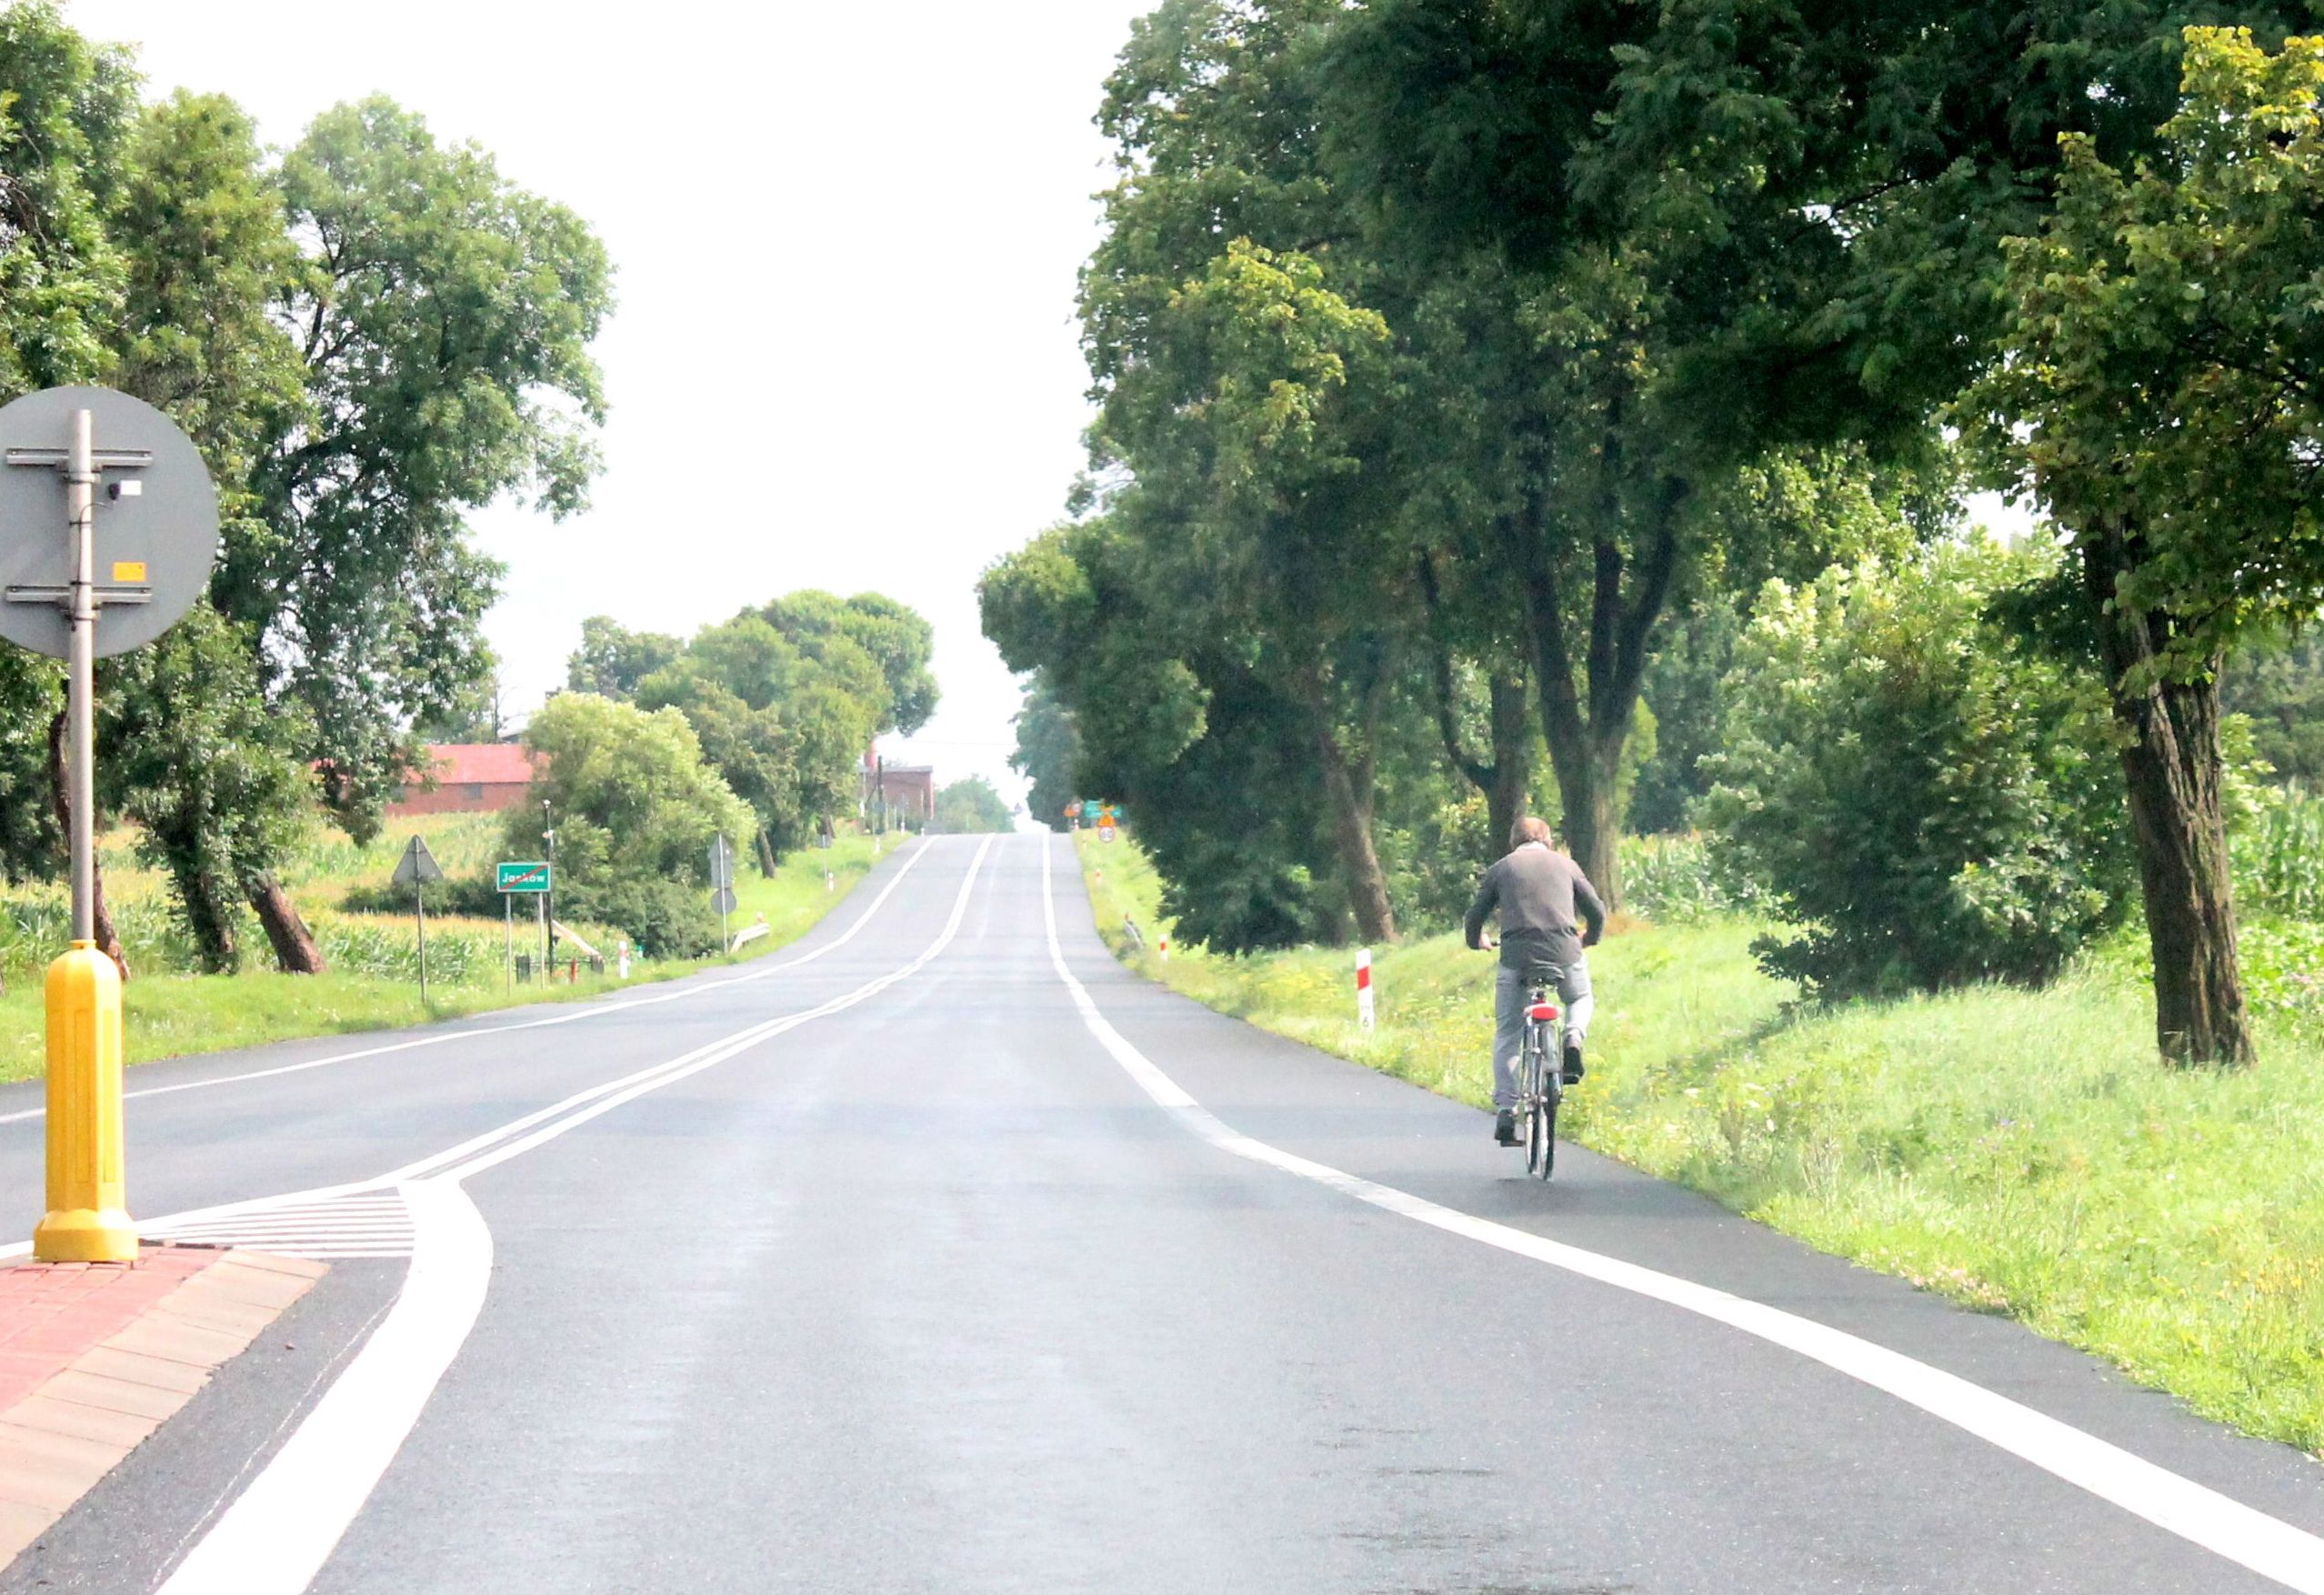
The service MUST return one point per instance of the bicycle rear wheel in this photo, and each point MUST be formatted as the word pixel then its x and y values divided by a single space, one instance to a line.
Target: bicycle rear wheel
pixel 1553 1092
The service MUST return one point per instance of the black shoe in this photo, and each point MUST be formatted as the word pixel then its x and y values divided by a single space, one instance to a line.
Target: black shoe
pixel 1574 1069
pixel 1505 1127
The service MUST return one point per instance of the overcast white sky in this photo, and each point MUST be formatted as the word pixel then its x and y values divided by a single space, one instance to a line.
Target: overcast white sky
pixel 845 353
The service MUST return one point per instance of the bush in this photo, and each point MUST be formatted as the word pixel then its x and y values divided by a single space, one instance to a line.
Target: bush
pixel 663 917
pixel 1927 800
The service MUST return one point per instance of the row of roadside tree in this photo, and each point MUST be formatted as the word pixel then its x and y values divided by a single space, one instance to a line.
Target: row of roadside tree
pixel 1483 386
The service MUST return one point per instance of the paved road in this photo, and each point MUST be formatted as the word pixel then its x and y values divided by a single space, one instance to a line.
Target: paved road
pixel 952 1287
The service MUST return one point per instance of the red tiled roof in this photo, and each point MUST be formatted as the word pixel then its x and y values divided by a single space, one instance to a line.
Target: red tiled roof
pixel 492 764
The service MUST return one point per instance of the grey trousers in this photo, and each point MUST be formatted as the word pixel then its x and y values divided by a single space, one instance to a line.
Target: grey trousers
pixel 1508 1020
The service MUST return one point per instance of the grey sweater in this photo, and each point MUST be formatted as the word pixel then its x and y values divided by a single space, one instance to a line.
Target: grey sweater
pixel 1536 890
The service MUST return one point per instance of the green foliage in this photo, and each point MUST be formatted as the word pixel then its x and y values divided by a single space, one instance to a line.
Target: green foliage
pixel 1048 754
pixel 442 317
pixel 612 660
pixel 1926 803
pixel 972 804
pixel 2278 855
pixel 207 769
pixel 2163 328
pixel 2278 685
pixel 635 807
pixel 785 698
pixel 67 111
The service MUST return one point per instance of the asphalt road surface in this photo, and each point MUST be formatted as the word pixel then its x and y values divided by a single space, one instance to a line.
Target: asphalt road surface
pixel 939 1253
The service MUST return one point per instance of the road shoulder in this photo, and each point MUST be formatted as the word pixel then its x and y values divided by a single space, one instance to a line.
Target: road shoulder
pixel 95 1358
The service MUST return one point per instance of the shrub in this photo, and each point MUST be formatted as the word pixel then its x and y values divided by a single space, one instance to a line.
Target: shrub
pixel 1928 802
pixel 665 919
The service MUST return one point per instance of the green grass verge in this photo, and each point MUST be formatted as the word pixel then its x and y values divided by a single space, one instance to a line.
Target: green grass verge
pixel 2022 1153
pixel 169 1015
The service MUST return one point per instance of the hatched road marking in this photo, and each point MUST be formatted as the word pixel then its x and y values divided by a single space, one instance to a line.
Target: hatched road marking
pixel 362 1223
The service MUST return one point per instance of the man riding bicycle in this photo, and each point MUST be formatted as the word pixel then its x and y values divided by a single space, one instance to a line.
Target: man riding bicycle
pixel 1537 891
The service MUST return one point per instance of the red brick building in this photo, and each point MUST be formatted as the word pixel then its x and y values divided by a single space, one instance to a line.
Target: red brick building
pixel 469 777
pixel 908 789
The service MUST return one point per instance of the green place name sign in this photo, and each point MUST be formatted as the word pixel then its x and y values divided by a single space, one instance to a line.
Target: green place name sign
pixel 522 878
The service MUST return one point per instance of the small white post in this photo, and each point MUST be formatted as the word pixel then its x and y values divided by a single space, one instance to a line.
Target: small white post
pixel 1364 986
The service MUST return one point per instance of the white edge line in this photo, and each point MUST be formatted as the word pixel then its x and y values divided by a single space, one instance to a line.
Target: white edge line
pixel 280 1530
pixel 2202 1516
pixel 595 1010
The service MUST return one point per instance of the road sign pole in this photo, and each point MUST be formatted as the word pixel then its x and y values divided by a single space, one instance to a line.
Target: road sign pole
pixel 723 873
pixel 419 914
pixel 80 507
pixel 508 942
pixel 87 1220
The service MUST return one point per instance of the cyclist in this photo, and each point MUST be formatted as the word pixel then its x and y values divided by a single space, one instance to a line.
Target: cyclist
pixel 1537 891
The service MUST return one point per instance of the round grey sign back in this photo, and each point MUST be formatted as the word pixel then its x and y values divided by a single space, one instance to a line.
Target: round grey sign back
pixel 156 519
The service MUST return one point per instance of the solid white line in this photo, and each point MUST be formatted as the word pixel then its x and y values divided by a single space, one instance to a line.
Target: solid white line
pixel 593 1010
pixel 2219 1523
pixel 278 1533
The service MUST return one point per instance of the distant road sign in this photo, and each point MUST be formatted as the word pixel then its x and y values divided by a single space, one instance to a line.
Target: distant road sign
pixel 722 863
pixel 155 520
pixel 417 867
pixel 532 876
pixel 723 901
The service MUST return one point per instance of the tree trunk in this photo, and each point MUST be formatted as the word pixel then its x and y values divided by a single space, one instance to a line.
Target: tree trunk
pixel 2171 764
pixel 1512 771
pixel 768 861
pixel 1348 795
pixel 1504 780
pixel 108 940
pixel 294 949
pixel 1589 765
pixel 1588 721
pixel 209 916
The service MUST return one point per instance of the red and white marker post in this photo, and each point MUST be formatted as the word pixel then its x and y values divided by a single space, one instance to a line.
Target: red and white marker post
pixel 1364 986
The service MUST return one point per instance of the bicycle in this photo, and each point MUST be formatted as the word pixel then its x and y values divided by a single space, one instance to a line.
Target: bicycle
pixel 1541 1069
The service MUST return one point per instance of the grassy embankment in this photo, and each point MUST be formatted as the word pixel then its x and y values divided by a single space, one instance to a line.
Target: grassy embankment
pixel 2022 1153
pixel 373 983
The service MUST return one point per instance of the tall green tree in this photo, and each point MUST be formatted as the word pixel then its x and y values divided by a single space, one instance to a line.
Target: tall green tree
pixel 1047 753
pixel 972 805
pixel 214 769
pixel 441 319
pixel 2160 398
pixel 612 660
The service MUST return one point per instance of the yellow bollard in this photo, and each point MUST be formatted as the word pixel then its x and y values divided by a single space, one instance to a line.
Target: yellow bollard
pixel 86 1221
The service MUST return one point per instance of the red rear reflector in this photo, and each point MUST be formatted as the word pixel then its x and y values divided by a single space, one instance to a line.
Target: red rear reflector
pixel 1545 1010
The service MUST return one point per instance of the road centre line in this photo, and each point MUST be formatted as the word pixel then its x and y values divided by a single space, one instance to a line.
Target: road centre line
pixel 277 1534
pixel 591 1011
pixel 2219 1523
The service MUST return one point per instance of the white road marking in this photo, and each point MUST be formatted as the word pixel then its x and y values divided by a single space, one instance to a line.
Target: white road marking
pixel 279 1532
pixel 2219 1523
pixel 373 1224
pixel 593 1010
